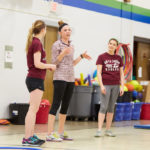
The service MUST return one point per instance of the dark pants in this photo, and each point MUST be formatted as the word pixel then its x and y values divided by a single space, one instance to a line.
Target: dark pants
pixel 62 95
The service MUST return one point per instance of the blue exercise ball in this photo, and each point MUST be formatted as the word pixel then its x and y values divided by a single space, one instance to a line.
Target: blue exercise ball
pixel 134 94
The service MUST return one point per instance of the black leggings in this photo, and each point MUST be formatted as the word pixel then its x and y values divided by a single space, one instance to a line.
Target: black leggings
pixel 62 94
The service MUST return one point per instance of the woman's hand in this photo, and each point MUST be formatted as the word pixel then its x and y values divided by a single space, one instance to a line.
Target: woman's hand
pixel 86 56
pixel 67 50
pixel 103 90
pixel 121 91
pixel 52 67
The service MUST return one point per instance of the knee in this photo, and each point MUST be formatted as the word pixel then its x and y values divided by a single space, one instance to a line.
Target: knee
pixel 63 110
pixel 111 109
pixel 33 108
pixel 54 109
pixel 103 109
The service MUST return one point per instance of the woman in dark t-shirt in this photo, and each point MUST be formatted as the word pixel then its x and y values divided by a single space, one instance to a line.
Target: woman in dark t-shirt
pixel 36 61
pixel 110 76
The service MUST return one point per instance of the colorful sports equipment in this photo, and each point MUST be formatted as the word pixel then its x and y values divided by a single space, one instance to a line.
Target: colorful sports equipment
pixel 21 148
pixel 140 95
pixel 124 51
pixel 139 88
pixel 135 84
pixel 4 122
pixel 136 101
pixel 76 83
pixel 134 94
pixel 96 79
pixel 82 78
pixel 146 126
pixel 130 87
pixel 89 80
pixel 125 88
pixel 95 74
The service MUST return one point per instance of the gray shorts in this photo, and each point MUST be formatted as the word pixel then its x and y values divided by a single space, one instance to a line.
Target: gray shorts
pixel 108 101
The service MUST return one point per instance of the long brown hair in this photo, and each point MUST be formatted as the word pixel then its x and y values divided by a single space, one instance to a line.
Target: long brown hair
pixel 113 39
pixel 35 29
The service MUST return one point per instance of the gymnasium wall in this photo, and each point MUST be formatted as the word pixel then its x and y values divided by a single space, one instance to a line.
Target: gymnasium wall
pixel 93 23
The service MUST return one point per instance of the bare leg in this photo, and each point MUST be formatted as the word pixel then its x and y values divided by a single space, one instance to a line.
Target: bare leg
pixel 109 119
pixel 51 121
pixel 62 119
pixel 101 118
pixel 35 99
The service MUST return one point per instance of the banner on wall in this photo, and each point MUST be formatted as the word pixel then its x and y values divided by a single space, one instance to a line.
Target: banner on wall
pixel 8 62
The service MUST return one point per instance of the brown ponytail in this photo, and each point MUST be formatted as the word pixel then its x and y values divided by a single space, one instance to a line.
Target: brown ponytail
pixel 35 29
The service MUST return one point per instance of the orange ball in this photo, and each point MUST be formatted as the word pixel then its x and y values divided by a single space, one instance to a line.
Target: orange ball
pixel 130 87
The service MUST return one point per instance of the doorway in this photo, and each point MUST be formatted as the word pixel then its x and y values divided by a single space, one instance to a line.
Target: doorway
pixel 141 59
pixel 50 38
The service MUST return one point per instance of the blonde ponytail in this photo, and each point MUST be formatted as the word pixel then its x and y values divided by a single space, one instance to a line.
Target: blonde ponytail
pixel 34 30
pixel 29 39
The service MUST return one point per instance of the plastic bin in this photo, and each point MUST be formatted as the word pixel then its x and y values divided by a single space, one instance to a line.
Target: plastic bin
pixel 18 113
pixel 145 111
pixel 119 111
pixel 95 100
pixel 127 111
pixel 80 104
pixel 42 114
pixel 136 111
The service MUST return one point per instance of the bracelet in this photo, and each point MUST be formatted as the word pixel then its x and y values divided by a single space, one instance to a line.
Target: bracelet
pixel 81 56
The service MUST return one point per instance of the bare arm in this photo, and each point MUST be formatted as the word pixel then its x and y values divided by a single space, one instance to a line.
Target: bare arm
pixel 122 81
pixel 84 55
pixel 99 75
pixel 39 64
pixel 77 60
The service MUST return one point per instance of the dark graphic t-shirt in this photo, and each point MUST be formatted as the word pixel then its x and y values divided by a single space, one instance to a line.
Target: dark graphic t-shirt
pixel 110 68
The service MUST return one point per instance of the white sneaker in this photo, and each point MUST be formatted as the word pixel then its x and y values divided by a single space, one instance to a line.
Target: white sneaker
pixel 109 133
pixel 98 133
pixel 53 137
pixel 65 136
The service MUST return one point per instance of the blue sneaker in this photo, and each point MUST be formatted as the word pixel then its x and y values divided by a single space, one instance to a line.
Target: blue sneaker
pixel 30 142
pixel 40 140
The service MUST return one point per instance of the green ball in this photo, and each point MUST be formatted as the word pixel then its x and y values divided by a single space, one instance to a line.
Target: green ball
pixel 136 101
pixel 125 88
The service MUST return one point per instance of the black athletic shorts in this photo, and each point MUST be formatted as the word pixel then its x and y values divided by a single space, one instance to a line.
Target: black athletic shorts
pixel 34 83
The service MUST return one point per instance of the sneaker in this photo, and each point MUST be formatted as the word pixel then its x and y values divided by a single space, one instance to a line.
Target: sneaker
pixel 40 140
pixel 53 138
pixel 109 133
pixel 98 134
pixel 65 136
pixel 30 142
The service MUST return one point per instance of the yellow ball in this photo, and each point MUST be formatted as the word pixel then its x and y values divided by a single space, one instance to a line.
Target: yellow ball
pixel 139 88
pixel 125 88
pixel 135 84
